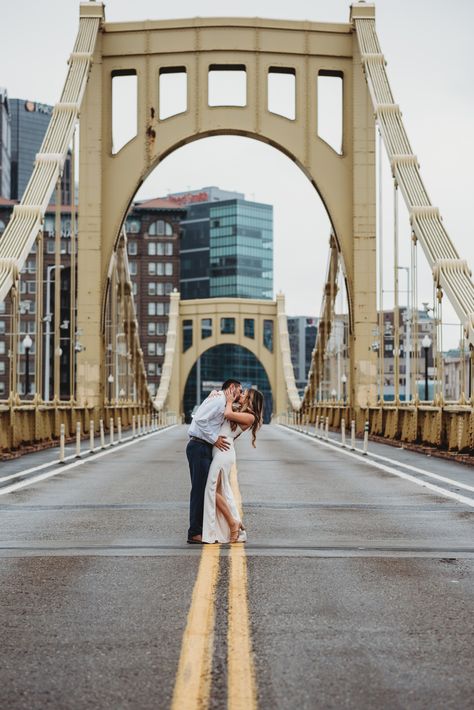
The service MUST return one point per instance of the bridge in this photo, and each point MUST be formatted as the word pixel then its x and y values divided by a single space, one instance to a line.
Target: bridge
pixel 354 589
pixel 102 306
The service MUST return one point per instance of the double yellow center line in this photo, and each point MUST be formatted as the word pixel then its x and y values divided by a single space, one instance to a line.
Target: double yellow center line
pixel 193 680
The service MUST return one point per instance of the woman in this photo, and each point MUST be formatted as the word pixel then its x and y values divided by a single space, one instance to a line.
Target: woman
pixel 222 521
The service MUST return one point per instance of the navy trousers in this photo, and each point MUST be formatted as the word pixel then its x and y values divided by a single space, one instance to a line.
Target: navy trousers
pixel 199 455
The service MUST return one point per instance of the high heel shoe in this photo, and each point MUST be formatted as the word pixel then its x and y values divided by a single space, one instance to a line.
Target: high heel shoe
pixel 238 533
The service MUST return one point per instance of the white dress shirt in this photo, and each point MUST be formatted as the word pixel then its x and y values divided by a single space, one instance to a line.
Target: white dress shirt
pixel 209 418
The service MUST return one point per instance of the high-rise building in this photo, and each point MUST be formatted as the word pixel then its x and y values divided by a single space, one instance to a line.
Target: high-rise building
pixel 29 123
pixel 302 331
pixel 226 246
pixel 5 144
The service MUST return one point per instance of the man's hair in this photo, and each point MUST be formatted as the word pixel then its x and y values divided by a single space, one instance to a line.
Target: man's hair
pixel 228 383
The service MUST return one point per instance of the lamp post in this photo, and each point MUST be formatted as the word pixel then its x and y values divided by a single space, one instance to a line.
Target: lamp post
pixel 27 343
pixel 110 380
pixel 426 344
pixel 344 383
pixel 333 395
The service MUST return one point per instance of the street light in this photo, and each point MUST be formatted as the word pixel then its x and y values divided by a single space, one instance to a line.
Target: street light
pixel 426 344
pixel 110 380
pixel 344 383
pixel 27 343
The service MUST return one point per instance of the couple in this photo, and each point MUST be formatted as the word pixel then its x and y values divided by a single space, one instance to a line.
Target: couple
pixel 218 421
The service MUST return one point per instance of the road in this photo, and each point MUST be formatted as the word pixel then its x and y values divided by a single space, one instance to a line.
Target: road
pixel 355 589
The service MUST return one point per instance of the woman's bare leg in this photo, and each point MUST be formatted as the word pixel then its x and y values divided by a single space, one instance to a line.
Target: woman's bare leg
pixel 222 506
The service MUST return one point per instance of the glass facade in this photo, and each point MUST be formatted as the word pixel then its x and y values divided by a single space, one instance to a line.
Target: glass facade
pixel 227 249
pixel 241 249
pixel 5 144
pixel 219 363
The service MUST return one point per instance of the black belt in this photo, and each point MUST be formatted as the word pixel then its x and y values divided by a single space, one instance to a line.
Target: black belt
pixel 201 441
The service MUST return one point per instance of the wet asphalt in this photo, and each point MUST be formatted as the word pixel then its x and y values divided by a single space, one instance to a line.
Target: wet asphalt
pixel 360 589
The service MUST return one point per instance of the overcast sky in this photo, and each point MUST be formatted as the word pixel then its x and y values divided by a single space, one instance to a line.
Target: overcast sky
pixel 428 46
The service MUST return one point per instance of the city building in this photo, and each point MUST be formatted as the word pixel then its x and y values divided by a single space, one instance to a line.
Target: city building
pixel 153 248
pixel 153 233
pixel 226 246
pixel 29 122
pixel 302 332
pixel 5 144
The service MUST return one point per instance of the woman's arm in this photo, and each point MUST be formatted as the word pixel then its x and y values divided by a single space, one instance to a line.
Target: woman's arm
pixel 245 419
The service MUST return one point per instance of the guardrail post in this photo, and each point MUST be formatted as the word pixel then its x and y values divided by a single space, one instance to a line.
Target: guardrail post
pixel 91 435
pixel 327 428
pixel 366 438
pixel 78 440
pixel 102 436
pixel 119 429
pixel 111 431
pixel 343 432
pixel 62 437
pixel 353 434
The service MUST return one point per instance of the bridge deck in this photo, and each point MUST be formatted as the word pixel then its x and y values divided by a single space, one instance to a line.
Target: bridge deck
pixel 360 583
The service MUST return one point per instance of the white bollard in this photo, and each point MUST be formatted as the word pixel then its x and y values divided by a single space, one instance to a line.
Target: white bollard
pixel 353 435
pixel 61 443
pixel 149 422
pixel 327 428
pixel 78 440
pixel 111 431
pixel 91 435
pixel 321 428
pixel 119 430
pixel 102 435
pixel 366 438
pixel 343 432
pixel 134 427
pixel 139 424
pixel 316 425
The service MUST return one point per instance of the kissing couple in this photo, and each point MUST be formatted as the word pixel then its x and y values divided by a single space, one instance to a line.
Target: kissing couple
pixel 218 421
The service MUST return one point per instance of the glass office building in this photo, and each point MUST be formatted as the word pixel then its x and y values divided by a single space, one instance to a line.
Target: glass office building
pixel 29 122
pixel 241 249
pixel 226 246
pixel 5 144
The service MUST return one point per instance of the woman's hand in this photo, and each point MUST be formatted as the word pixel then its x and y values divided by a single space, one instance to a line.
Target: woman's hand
pixel 229 396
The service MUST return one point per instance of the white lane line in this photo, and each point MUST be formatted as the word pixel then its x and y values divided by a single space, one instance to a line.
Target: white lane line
pixel 408 466
pixel 80 462
pixel 389 469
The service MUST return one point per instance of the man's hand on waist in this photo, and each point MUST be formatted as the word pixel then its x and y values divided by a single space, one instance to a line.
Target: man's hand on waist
pixel 221 443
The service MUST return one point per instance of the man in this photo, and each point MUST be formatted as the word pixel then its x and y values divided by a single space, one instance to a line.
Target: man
pixel 204 434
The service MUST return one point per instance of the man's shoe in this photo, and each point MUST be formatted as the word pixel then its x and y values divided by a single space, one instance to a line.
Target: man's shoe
pixel 196 540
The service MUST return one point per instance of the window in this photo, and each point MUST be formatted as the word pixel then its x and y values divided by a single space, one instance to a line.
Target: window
pixel 151 268
pixel 168 268
pixel 2 327
pixel 132 248
pixel 168 288
pixel 330 108
pixel 227 85
pixel 151 348
pixel 124 108
pixel 2 388
pixel 50 246
pixel 282 92
pixel 132 265
pixel 152 249
pixel 206 328
pixel 249 327
pixel 160 229
pixel 152 288
pixel 152 309
pixel 2 347
pixel 2 368
pixel 132 226
pixel 134 288
pixel 173 89
pixel 268 334
pixel 151 367
pixel 227 325
pixel 160 350
pixel 151 328
pixel 3 307
pixel 162 328
pixel 168 248
pixel 2 225
pixel 187 334
pixel 31 286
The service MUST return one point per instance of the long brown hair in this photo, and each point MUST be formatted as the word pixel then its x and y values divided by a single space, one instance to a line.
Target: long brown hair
pixel 254 405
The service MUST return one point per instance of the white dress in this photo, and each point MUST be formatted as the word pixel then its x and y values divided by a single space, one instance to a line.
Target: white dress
pixel 214 525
